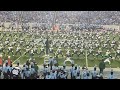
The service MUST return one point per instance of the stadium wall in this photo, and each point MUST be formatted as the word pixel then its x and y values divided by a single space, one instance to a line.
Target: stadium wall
pixel 117 27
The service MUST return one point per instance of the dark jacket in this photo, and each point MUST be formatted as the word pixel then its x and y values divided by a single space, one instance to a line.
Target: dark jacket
pixel 102 65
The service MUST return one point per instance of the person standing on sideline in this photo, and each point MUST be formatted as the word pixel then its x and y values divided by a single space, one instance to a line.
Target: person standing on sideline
pixel 111 75
pixel 27 73
pixel 1 65
pixel 5 71
pixel 94 73
pixel 102 66
pixel 9 61
pixel 71 71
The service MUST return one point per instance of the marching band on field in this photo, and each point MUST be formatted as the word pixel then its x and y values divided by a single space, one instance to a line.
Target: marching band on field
pixel 64 43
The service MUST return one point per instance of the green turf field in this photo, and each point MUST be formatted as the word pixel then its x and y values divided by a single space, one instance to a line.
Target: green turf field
pixel 78 60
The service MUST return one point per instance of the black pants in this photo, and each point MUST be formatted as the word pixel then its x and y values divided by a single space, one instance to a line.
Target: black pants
pixel 15 77
pixel 101 70
pixel 32 76
pixel 27 77
pixel 0 74
pixel 6 76
pixel 94 77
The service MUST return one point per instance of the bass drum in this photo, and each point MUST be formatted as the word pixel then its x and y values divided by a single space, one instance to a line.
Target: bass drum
pixel 68 60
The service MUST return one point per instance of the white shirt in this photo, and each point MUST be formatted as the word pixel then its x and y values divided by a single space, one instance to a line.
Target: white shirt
pixel 42 49
pixel 118 51
pixel 111 77
pixel 18 48
pixel 84 75
pixel 51 49
pixel 59 50
pixel 31 51
pixel 74 72
pixel 53 75
pixel 15 71
pixel 107 53
pixel 9 48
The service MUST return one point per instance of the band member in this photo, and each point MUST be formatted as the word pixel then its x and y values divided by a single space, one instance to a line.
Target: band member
pixel 99 52
pixel 97 45
pixel 75 52
pixel 91 52
pixel 113 44
pixel 42 50
pixel 13 43
pixel 81 51
pixel 7 42
pixel 2 49
pixel 35 51
pixel 59 51
pixel 21 42
pixel 51 50
pixel 68 53
pixel 107 55
pixel 27 50
pixel 10 50
pixel 117 53
pixel 31 53
pixel 105 45
pixel 18 50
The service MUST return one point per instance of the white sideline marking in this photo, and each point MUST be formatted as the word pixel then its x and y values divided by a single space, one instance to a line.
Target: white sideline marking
pixel 21 56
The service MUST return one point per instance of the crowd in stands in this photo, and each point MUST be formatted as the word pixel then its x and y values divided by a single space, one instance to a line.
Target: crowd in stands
pixel 61 17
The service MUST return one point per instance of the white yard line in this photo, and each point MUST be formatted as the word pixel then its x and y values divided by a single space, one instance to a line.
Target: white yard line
pixel 21 56
pixel 86 59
